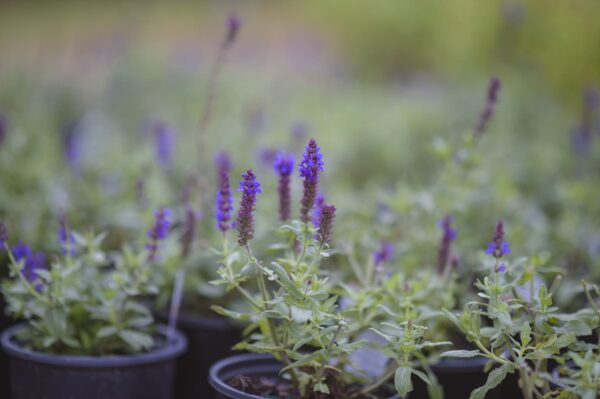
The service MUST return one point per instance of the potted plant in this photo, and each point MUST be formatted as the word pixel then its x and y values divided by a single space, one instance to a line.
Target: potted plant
pixel 525 331
pixel 86 329
pixel 302 340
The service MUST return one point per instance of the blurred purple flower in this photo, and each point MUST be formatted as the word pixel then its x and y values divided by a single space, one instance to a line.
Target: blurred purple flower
pixel 224 199
pixel 164 144
pixel 490 105
pixel 316 213
pixel 72 145
pixel 189 231
pixel 284 167
pixel 249 187
pixel 32 263
pixel 3 235
pixel 384 254
pixel 233 26
pixel 158 232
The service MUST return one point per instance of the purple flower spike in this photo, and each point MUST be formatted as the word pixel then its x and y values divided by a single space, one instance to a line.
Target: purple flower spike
pixel 158 232
pixel 233 26
pixel 490 105
pixel 224 200
pixel 498 247
pixel 448 235
pixel 3 235
pixel 325 231
pixel 310 169
pixel 383 255
pixel 284 166
pixel 316 213
pixel 66 238
pixel 501 268
pixel 249 187
pixel 164 143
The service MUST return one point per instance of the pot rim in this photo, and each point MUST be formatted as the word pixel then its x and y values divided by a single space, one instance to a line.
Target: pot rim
pixel 263 363
pixel 161 354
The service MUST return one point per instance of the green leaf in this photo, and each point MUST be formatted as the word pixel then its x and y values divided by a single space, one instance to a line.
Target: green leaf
pixel 525 335
pixel 284 280
pixel 461 353
pixel 494 379
pixel 321 387
pixel 229 313
pixel 137 340
pixel 106 332
pixel 402 380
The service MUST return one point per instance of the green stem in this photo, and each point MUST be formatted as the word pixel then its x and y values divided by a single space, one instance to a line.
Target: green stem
pixel 262 286
pixel 377 383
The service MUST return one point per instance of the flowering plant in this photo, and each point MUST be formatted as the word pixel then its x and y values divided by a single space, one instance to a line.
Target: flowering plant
pixel 525 330
pixel 85 301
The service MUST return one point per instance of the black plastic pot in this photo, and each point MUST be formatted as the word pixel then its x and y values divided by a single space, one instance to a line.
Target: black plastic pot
pixel 5 322
pixel 249 364
pixel 209 339
pixel 458 378
pixel 36 375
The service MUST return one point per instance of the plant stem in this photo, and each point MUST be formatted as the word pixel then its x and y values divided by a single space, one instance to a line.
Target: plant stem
pixel 377 383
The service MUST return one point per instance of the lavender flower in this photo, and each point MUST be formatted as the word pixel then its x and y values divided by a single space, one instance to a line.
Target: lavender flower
pixel 284 166
pixel 245 218
pixel 582 135
pixel 164 142
pixel 224 200
pixel 32 263
pixel 384 254
pixel 158 232
pixel 316 213
pixel 233 27
pixel 490 105
pixel 325 230
pixel 66 238
pixel 448 235
pixel 498 247
pixel 310 169
pixel 3 235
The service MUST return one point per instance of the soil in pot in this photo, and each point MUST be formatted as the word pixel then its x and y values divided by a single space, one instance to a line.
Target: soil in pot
pixel 36 375
pixel 210 338
pixel 253 376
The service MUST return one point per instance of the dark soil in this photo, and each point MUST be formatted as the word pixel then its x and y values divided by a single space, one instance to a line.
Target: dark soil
pixel 273 388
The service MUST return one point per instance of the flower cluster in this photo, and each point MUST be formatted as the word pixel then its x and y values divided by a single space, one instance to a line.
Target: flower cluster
pixel 284 166
pixel 158 232
pixel 233 26
pixel 310 169
pixel 249 187
pixel 498 247
pixel 32 262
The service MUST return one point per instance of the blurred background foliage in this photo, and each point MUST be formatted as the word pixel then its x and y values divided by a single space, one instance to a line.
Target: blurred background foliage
pixel 390 89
